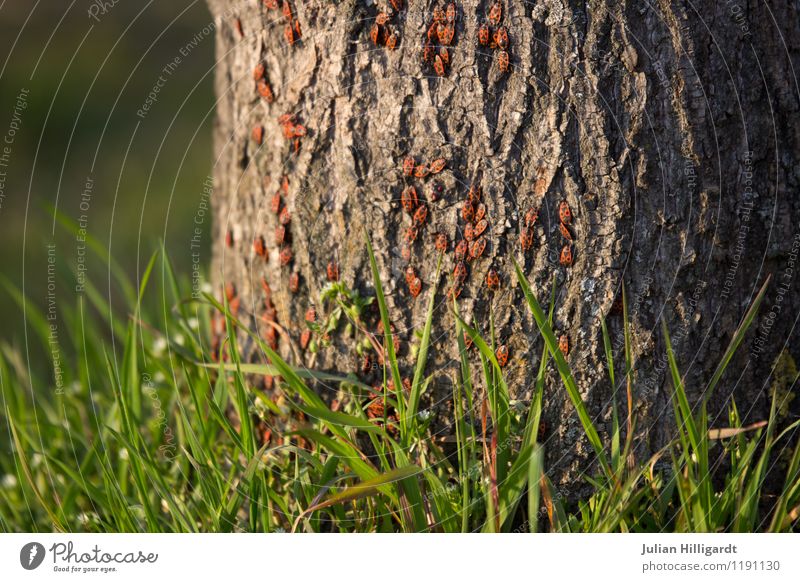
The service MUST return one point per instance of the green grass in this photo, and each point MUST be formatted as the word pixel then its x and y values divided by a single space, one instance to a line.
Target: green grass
pixel 150 434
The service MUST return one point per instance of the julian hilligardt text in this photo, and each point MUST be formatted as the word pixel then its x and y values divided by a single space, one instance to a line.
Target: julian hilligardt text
pixel 688 549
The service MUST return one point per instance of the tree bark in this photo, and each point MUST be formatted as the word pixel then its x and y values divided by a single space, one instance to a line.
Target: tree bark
pixel 670 129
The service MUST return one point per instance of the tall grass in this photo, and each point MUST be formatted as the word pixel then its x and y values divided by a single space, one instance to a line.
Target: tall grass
pixel 150 434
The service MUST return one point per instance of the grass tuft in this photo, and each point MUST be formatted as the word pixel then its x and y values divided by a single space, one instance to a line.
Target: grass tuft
pixel 148 433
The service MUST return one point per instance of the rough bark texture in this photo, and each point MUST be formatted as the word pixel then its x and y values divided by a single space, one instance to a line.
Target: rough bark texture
pixel 670 128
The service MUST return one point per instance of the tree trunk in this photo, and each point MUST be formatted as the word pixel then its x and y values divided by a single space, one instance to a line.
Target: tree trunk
pixel 669 128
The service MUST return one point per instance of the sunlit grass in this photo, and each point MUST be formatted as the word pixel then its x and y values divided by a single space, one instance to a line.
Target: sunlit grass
pixel 151 434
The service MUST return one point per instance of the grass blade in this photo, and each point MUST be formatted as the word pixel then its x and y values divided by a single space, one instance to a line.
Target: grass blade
pixel 391 356
pixel 535 472
pixel 564 371
pixel 364 489
pixel 422 353
pixel 736 340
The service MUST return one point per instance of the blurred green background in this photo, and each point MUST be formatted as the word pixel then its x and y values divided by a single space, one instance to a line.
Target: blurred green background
pixel 83 77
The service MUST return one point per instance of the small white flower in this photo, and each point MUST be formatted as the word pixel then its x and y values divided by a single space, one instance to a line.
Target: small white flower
pixel 425 414
pixel 159 377
pixel 123 454
pixel 179 339
pixel 87 517
pixel 159 346
pixel 193 323
pixel 9 481
pixel 206 287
